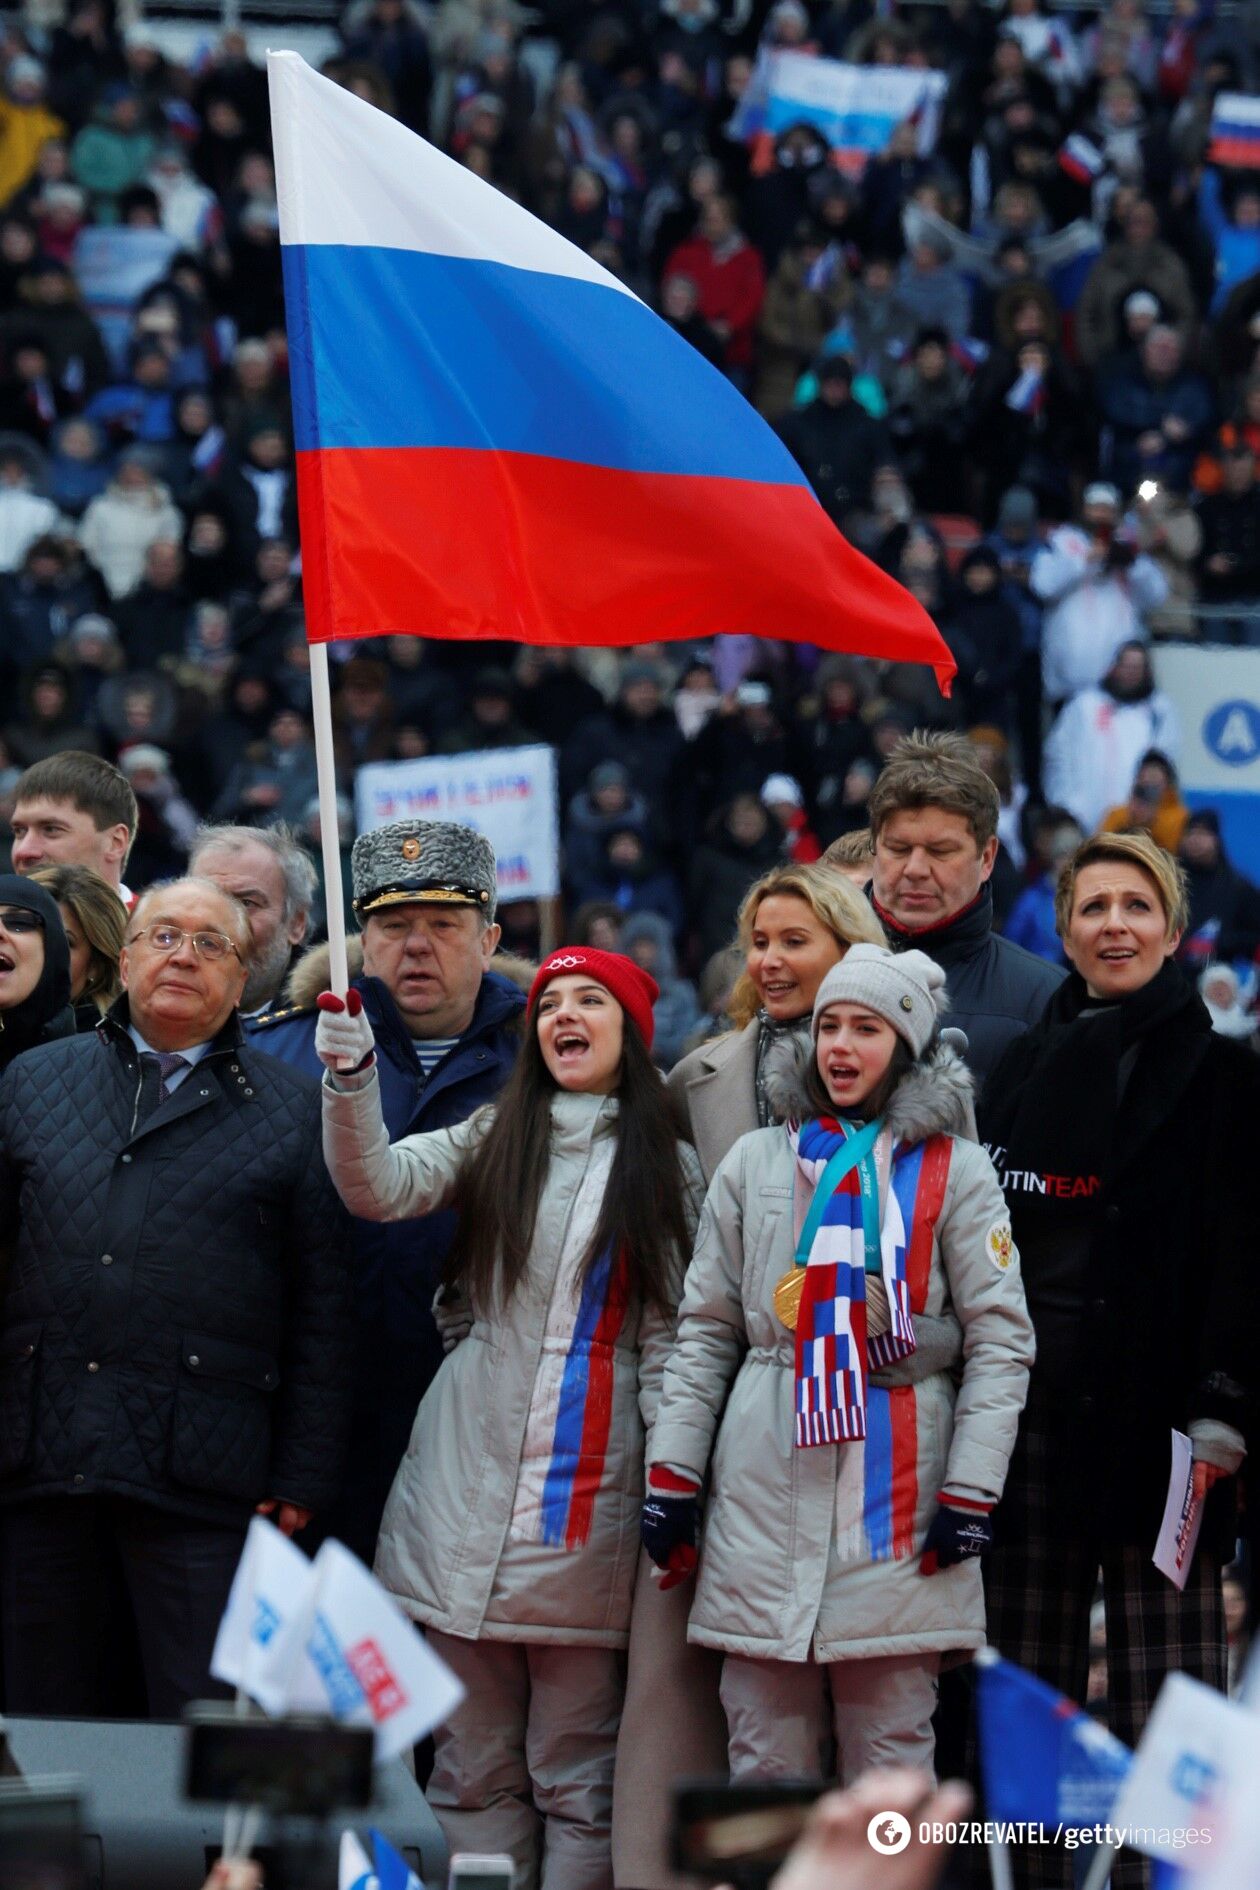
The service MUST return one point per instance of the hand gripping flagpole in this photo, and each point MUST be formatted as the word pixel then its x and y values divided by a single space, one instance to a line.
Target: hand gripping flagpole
pixel 329 834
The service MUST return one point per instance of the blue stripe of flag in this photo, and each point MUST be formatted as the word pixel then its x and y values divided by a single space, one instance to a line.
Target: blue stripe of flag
pixel 405 349
pixel 566 1446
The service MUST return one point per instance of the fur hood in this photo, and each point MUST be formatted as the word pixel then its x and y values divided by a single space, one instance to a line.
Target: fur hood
pixel 310 974
pixel 936 1096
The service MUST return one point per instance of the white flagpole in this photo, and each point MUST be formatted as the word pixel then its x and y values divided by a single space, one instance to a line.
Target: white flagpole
pixel 1104 1857
pixel 1000 1873
pixel 330 839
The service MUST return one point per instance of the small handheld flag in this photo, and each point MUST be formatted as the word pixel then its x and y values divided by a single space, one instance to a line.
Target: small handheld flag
pixel 1043 1759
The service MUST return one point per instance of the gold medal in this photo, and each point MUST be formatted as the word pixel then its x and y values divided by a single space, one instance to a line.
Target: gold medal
pixel 787 1297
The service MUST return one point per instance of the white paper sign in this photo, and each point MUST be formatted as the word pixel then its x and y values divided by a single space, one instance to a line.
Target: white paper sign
pixel 1186 1759
pixel 269 1590
pixel 355 1656
pixel 508 794
pixel 1179 1531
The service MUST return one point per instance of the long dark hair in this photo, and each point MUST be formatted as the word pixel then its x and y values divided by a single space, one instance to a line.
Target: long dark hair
pixel 501 1184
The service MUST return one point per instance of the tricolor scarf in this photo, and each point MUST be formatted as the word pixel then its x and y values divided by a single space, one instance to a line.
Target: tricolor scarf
pixel 833 1354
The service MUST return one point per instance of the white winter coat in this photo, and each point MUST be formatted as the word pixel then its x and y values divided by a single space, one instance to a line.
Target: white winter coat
pixel 462 1541
pixel 785 1568
pixel 1090 612
pixel 120 525
pixel 1093 750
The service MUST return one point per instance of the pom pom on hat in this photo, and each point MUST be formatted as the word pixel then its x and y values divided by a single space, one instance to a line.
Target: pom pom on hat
pixel 634 989
pixel 906 989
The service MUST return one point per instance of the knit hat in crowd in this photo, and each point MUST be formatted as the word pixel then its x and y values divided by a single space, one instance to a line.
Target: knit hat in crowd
pixel 906 989
pixel 633 988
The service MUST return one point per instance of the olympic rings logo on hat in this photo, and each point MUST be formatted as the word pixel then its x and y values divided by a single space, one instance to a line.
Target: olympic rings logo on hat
pixel 564 964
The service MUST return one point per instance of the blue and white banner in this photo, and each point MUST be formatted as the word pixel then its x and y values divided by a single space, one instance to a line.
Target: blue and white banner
pixel 269 1591
pixel 355 1656
pixel 1043 1760
pixel 508 794
pixel 1216 693
pixel 856 108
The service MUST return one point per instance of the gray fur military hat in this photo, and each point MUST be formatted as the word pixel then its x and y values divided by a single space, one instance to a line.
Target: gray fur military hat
pixel 431 862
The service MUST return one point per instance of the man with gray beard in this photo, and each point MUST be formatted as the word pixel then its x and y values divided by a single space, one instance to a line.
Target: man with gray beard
pixel 273 876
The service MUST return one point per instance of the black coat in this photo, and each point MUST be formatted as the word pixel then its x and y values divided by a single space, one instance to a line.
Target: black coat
pixel 175 1324
pixel 1156 1322
pixel 996 989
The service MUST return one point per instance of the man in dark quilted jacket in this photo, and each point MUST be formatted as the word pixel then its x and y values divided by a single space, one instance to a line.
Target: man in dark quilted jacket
pixel 174 1321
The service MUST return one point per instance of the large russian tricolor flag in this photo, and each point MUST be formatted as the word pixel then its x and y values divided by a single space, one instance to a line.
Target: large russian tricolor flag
pixel 496 438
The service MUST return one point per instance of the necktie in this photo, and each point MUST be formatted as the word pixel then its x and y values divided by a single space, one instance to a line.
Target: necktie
pixel 156 1069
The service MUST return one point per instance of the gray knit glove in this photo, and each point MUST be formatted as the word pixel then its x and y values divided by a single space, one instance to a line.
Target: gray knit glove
pixel 937 1348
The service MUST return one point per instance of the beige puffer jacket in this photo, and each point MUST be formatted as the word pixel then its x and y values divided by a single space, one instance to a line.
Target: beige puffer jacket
pixel 786 1565
pixel 514 1515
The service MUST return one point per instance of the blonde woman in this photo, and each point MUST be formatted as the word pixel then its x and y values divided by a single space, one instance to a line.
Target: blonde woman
pixel 95 921
pixel 796 922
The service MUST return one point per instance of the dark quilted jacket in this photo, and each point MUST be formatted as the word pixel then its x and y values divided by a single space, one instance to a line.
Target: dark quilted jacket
pixel 398 1264
pixel 176 1315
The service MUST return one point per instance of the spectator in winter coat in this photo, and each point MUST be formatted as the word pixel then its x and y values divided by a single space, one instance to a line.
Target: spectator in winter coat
pixel 1154 805
pixel 24 515
pixel 641 732
pixel 1229 561
pixel 782 796
pixel 1157 413
pixel 274 779
pixel 26 124
pixel 927 421
pixel 983 630
pixel 676 1012
pixel 120 525
pixel 739 746
pixel 739 845
pixel 49 724
pixel 730 277
pixel 107 158
pixel 877 330
pixel 606 804
pixel 446 1028
pixel 934 290
pixel 1093 750
pixel 795 318
pixel 835 442
pixel 1231 218
pixel 934 817
pixel 842 1593
pixel 1030 922
pixel 632 878
pixel 1096 587
pixel 153 619
pixel 1224 912
pixel 1138 260
pixel 77 468
pixel 180 1262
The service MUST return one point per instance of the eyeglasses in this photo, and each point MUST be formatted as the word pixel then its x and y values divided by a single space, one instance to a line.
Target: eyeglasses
pixel 16 921
pixel 212 946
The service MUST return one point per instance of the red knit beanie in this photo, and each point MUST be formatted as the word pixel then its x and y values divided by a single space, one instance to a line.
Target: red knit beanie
pixel 634 989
